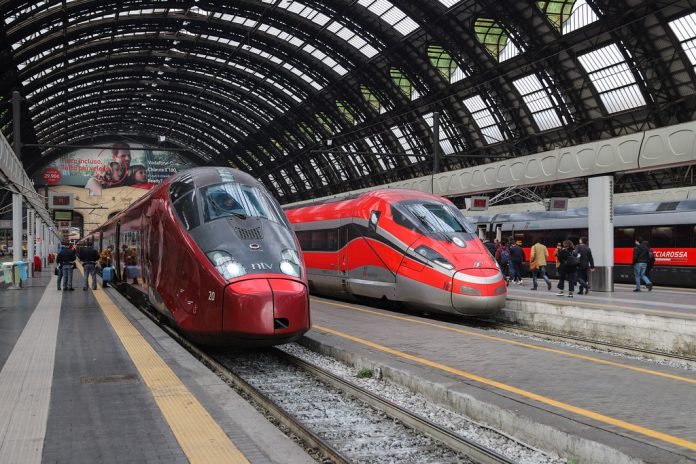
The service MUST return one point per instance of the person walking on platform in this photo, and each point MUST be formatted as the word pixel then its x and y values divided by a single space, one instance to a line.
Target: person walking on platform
pixel 641 258
pixel 568 268
pixel 537 263
pixel 89 257
pixel 66 261
pixel 651 261
pixel 516 260
pixel 490 246
pixel 502 255
pixel 585 265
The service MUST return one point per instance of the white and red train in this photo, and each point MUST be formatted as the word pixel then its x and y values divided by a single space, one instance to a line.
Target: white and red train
pixel 402 246
pixel 213 252
pixel 669 227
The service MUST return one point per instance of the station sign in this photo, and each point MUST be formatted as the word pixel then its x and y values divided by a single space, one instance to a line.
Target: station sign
pixel 62 215
pixel 478 204
pixel 60 200
pixel 558 204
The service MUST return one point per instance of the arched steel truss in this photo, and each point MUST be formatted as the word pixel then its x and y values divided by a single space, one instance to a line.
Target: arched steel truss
pixel 263 85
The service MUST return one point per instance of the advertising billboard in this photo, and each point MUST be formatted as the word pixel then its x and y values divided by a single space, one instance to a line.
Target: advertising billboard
pixel 120 165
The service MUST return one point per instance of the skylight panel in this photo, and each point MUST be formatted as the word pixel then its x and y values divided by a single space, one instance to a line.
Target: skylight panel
pixel 391 15
pixel 320 173
pixel 496 38
pixel 568 15
pixel 484 119
pixel 445 143
pixel 373 148
pixel 538 98
pixel 685 30
pixel 449 3
pixel 612 78
pixel 401 137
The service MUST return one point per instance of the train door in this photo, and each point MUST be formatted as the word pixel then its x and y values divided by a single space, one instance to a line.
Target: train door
pixel 116 253
pixel 499 232
pixel 482 231
pixel 343 243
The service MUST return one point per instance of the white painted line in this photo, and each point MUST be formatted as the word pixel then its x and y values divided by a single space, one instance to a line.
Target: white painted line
pixel 25 383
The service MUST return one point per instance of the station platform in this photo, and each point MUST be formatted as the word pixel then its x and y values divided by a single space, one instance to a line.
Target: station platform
pixel 85 377
pixel 587 406
pixel 663 320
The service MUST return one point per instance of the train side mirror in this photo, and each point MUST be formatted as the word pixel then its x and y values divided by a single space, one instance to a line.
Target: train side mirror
pixel 374 219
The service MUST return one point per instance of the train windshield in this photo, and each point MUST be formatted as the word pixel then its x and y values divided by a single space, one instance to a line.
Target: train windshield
pixel 434 217
pixel 232 199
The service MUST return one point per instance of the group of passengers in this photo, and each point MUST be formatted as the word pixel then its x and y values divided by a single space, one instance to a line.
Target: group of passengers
pixel 89 257
pixel 574 263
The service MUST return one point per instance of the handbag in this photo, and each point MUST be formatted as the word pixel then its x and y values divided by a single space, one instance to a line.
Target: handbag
pixel 533 266
pixel 56 271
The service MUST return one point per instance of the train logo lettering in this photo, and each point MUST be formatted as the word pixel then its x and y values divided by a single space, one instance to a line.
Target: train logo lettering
pixel 261 266
pixel 671 256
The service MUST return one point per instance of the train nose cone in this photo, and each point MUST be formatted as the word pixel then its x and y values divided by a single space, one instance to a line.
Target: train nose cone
pixel 265 307
pixel 478 291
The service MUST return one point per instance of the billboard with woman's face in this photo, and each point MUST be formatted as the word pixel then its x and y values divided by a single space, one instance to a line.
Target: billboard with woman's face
pixel 119 165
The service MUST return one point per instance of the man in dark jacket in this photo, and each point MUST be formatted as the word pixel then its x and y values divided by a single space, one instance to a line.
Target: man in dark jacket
pixel 89 257
pixel 502 255
pixel 641 258
pixel 516 259
pixel 491 246
pixel 585 265
pixel 66 261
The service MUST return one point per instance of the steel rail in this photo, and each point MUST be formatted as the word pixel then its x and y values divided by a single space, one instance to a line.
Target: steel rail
pixel 473 450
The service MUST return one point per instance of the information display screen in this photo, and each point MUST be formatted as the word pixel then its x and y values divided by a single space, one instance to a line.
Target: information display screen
pixel 62 215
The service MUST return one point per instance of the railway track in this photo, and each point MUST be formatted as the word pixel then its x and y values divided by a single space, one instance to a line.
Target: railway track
pixel 340 421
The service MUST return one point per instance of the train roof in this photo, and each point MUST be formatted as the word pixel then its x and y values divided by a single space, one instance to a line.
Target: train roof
pixel 393 194
pixel 619 210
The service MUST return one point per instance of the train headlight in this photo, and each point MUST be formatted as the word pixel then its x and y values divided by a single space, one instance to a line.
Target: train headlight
pixel 290 263
pixel 459 242
pixel 226 265
pixel 432 255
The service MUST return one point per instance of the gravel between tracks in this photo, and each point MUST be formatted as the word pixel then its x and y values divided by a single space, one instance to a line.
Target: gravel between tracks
pixel 418 404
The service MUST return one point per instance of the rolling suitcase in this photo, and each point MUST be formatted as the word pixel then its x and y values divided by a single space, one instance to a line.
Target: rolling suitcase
pixel 107 274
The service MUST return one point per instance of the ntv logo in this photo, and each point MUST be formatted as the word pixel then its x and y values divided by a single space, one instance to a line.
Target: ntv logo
pixel 261 266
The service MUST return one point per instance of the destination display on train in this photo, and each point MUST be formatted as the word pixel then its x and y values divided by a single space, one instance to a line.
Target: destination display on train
pixel 116 164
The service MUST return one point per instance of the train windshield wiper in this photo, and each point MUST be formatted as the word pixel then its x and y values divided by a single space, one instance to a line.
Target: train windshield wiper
pixel 239 215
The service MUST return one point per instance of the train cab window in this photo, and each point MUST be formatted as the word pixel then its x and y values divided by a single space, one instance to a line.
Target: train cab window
pixel 662 237
pixel 186 210
pixel 234 199
pixel 403 220
pixel 624 237
pixel 435 217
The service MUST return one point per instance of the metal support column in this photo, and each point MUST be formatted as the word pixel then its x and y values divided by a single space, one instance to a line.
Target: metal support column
pixel 436 149
pixel 39 240
pixel 16 227
pixel 601 231
pixel 30 239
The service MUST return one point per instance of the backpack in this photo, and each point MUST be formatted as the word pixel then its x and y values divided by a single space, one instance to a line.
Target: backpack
pixel 504 256
pixel 571 260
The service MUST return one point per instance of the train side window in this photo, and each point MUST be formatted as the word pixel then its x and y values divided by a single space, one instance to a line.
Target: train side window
pixel 187 211
pixel 374 219
pixel 682 236
pixel 402 220
pixel 624 237
pixel 305 239
pixel 662 237
pixel 180 188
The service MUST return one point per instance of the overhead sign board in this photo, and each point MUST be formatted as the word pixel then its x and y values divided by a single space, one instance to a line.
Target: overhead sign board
pixel 478 204
pixel 59 215
pixel 59 200
pixel 558 204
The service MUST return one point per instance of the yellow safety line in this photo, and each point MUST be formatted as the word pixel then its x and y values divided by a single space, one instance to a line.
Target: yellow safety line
pixel 513 342
pixel 588 304
pixel 200 437
pixel 543 399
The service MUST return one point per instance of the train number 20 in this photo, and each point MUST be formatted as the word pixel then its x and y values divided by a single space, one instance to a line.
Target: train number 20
pixel 211 296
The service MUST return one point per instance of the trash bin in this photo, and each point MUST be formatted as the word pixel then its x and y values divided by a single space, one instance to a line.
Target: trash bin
pixel 7 272
pixel 37 263
pixel 22 266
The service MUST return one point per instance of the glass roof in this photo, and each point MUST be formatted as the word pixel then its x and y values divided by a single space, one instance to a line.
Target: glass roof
pixel 496 38
pixel 391 15
pixel 405 139
pixel 445 142
pixel 685 30
pixel 613 79
pixel 539 98
pixel 486 122
pixel 568 15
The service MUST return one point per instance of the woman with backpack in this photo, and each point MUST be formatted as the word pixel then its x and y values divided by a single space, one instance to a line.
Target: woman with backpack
pixel 568 265
pixel 502 255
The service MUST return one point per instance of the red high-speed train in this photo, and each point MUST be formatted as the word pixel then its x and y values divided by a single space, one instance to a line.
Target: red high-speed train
pixel 213 252
pixel 399 245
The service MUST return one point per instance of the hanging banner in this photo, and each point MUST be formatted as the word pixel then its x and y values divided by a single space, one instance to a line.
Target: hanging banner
pixel 120 165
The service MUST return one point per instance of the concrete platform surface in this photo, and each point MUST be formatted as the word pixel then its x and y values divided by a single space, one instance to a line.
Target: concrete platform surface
pixel 74 389
pixel 589 406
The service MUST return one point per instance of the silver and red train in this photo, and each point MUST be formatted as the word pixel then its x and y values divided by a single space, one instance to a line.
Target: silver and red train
pixel 213 252
pixel 402 246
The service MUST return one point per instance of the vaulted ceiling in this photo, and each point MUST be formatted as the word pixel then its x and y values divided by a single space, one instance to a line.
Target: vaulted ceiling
pixel 315 98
